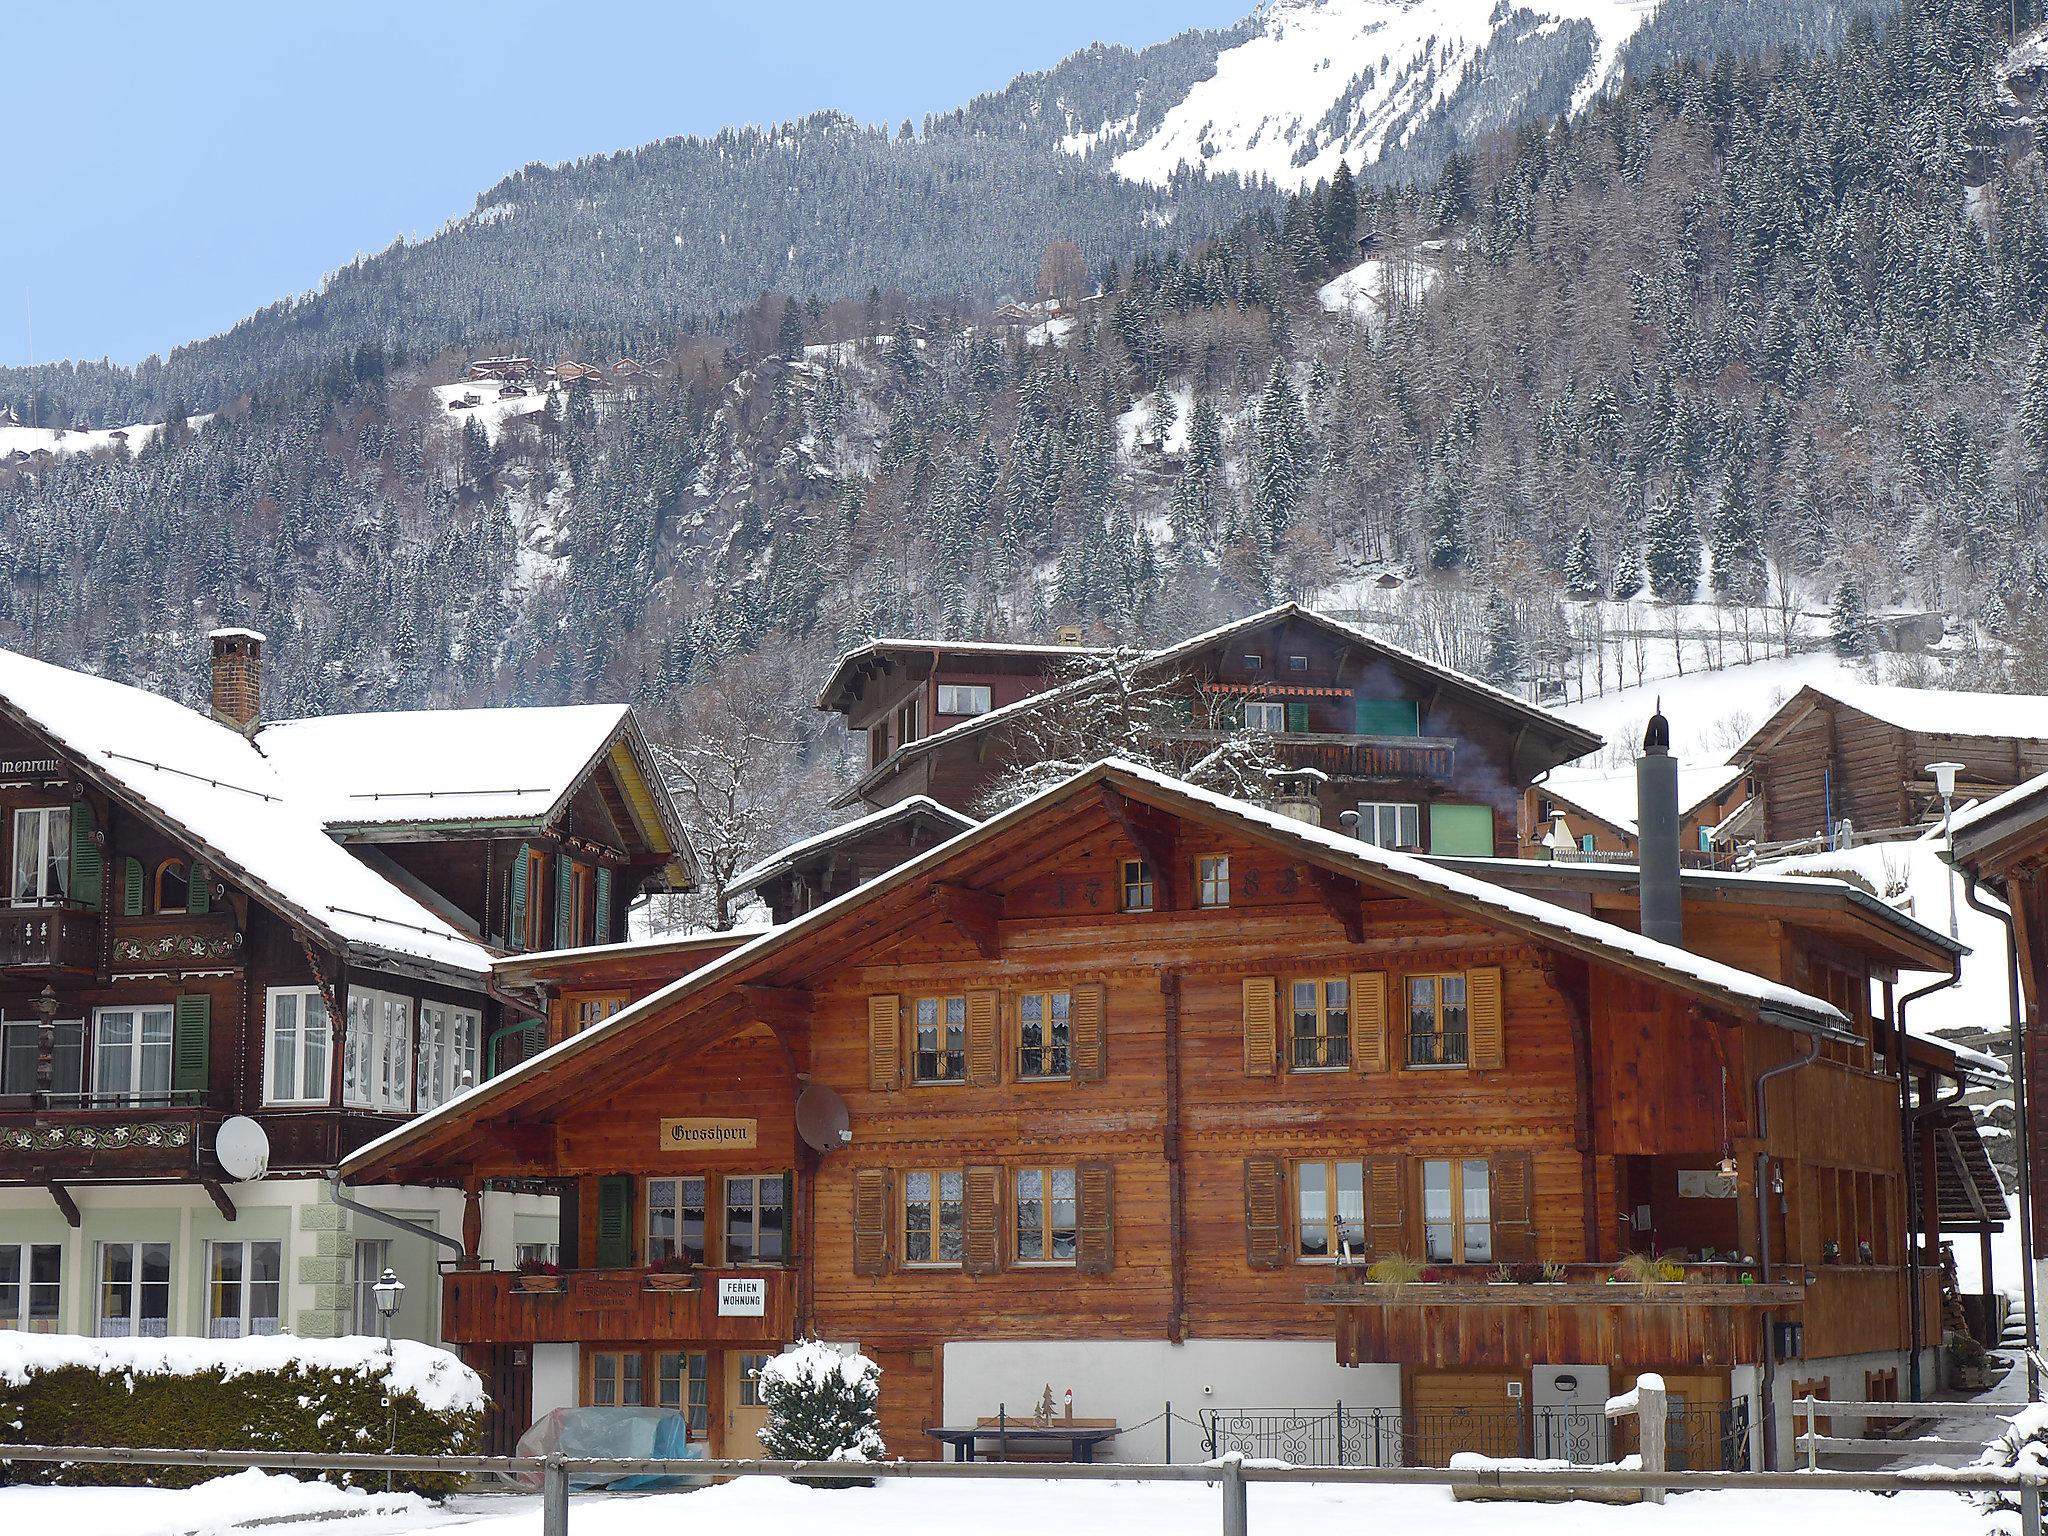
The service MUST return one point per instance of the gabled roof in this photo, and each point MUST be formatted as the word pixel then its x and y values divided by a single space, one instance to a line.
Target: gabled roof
pixel 1571 741
pixel 208 786
pixel 1609 795
pixel 1917 711
pixel 886 649
pixel 2019 816
pixel 864 917
pixel 915 808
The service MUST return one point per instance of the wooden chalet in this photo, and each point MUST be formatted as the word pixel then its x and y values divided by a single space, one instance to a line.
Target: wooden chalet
pixel 1123 1090
pixel 212 917
pixel 1408 754
pixel 807 874
pixel 1858 754
pixel 1598 809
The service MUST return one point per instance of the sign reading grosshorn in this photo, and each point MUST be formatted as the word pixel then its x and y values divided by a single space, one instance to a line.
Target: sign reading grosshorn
pixel 696 1134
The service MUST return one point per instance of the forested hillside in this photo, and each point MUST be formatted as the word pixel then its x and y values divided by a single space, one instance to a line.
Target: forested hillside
pixel 1745 327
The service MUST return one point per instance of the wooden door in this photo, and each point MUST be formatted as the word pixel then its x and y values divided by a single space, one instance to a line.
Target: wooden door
pixel 745 1417
pixel 1451 1411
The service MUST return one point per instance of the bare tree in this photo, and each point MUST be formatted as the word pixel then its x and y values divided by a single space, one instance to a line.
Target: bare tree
pixel 1063 274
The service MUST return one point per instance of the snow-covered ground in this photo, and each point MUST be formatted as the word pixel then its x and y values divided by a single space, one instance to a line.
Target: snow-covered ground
pixel 234 1502
pixel 1363 289
pixel 762 1506
pixel 61 443
pixel 1711 712
pixel 489 410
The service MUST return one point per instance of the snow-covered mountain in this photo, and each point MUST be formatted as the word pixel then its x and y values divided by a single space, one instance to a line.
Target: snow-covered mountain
pixel 1364 80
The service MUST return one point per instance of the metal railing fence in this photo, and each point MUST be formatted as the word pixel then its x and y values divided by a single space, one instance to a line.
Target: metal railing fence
pixel 1231 1474
pixel 1703 1439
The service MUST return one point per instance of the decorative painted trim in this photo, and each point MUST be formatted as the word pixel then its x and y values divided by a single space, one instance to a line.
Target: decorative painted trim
pixel 178 946
pixel 97 1138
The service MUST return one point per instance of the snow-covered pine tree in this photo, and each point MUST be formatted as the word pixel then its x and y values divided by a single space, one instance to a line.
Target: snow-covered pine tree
pixel 1849 622
pixel 1672 553
pixel 822 1407
pixel 1582 565
pixel 1736 542
pixel 1501 656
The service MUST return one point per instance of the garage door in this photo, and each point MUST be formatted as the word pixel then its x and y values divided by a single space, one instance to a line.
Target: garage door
pixel 1451 1411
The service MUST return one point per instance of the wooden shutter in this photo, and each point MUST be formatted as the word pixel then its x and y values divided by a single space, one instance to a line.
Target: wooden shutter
pixel 515 902
pixel 1297 715
pixel 981 1221
pixel 984 1039
pixel 789 1222
pixel 1386 1195
pixel 1261 1025
pixel 133 877
pixel 1088 1032
pixel 1369 1051
pixel 1486 1035
pixel 1095 1189
pixel 615 1221
pixel 88 866
pixel 191 1028
pixel 1265 1212
pixel 603 929
pixel 1513 1235
pixel 199 890
pixel 870 1221
pixel 885 1042
pixel 565 903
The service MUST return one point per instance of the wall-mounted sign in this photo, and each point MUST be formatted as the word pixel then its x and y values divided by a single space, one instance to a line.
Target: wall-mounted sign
pixel 1704 1184
pixel 25 767
pixel 698 1135
pixel 739 1296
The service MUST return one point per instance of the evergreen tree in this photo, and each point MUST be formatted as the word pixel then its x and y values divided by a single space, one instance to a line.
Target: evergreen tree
pixel 1581 565
pixel 1280 466
pixel 1849 623
pixel 789 337
pixel 1672 550
pixel 1340 217
pixel 1501 653
pixel 1737 540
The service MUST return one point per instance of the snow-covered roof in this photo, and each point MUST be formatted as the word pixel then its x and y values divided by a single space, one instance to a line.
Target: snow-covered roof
pixel 440 765
pixel 1984 813
pixel 1920 711
pixel 1610 793
pixel 1772 1001
pixel 914 805
pixel 664 944
pixel 217 791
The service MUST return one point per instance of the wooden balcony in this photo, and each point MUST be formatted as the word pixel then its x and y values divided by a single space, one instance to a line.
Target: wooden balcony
pixel 1389 758
pixel 86 1139
pixel 53 939
pixel 482 1306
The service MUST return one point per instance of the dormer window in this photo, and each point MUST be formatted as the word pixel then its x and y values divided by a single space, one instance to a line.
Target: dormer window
pixel 173 887
pixel 1297 663
pixel 1254 663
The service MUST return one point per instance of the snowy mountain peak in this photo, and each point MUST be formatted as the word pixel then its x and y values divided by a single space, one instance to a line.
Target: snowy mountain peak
pixel 1367 81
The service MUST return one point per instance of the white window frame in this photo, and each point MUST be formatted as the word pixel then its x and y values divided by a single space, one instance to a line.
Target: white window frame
pixel 372 1258
pixel 449 1040
pixel 1265 715
pixel 377 1052
pixel 294 1040
pixel 22 1316
pixel 1404 816
pixel 965 698
pixel 141 1016
pixel 136 1287
pixel 39 818
pixel 10 1032
pixel 246 1322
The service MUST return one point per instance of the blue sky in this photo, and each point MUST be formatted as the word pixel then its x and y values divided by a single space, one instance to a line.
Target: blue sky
pixel 171 168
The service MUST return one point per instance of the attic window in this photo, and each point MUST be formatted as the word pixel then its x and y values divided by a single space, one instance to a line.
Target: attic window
pixel 1297 663
pixel 173 886
pixel 1254 663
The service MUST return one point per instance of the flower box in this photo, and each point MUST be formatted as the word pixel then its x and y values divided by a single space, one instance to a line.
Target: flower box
pixel 537 1285
pixel 671 1280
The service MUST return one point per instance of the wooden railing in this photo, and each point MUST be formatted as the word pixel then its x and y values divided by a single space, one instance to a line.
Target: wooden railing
pixel 53 938
pixel 481 1306
pixel 162 1140
pixel 1356 757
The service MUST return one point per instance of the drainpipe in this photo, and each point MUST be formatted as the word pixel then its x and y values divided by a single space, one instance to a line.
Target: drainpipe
pixel 2020 1129
pixel 454 1245
pixel 1909 1140
pixel 1763 1240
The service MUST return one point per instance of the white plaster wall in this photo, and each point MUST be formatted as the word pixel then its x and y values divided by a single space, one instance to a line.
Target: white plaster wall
pixel 1132 1380
pixel 557 1378
pixel 1844 1376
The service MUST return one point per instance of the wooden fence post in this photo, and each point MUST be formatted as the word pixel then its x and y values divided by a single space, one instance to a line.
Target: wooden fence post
pixel 1651 1423
pixel 554 1498
pixel 1236 1518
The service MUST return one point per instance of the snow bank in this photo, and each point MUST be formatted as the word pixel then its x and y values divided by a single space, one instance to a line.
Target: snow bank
pixel 434 1378
pixel 224 1503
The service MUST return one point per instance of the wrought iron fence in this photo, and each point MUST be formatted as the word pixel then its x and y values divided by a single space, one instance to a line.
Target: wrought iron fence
pixel 1698 1439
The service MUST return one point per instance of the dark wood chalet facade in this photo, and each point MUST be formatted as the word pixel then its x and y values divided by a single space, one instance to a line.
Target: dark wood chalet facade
pixel 807 874
pixel 1125 1089
pixel 210 918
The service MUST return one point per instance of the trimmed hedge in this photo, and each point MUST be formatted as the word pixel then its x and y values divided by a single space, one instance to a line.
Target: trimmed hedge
pixel 300 1407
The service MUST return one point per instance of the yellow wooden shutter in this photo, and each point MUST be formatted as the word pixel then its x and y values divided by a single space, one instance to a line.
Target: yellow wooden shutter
pixel 1261 1025
pixel 1369 1021
pixel 1095 1245
pixel 1087 1032
pixel 1265 1224
pixel 885 1042
pixel 1386 1190
pixel 981 1221
pixel 1487 1034
pixel 984 1039
pixel 871 1216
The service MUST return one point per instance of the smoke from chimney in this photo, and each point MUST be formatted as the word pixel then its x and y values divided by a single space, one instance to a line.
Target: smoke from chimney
pixel 1657 833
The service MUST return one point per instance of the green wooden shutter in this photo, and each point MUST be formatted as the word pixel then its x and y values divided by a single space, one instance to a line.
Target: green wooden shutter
pixel 199 894
pixel 1388 717
pixel 87 864
pixel 603 931
pixel 515 925
pixel 192 1027
pixel 565 903
pixel 132 878
pixel 1297 715
pixel 615 1221
pixel 1461 830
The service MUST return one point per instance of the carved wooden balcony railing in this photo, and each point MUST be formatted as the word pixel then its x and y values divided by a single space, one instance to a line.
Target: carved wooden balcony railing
pixel 1342 756
pixel 50 939
pixel 78 1137
pixel 482 1306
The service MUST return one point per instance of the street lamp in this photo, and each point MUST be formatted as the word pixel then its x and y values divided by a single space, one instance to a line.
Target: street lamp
pixel 1945 786
pixel 389 1291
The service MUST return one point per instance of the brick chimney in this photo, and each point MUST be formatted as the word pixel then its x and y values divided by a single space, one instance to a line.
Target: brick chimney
pixel 238 679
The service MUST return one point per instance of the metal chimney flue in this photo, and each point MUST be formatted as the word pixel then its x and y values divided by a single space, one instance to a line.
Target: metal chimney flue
pixel 1657 833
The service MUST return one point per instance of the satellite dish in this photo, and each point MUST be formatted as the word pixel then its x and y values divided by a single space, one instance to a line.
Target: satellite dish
pixel 242 1148
pixel 822 1118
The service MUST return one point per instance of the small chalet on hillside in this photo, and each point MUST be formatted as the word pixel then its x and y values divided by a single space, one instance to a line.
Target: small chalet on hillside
pixel 1124 1089
pixel 1598 810
pixel 810 873
pixel 1408 754
pixel 213 916
pixel 1858 754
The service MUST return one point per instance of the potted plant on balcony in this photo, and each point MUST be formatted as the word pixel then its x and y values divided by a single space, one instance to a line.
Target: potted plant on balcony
pixel 1647 1270
pixel 1396 1272
pixel 677 1272
pixel 537 1277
